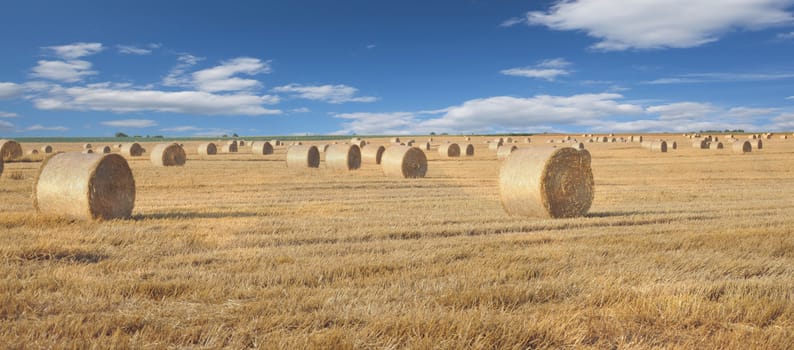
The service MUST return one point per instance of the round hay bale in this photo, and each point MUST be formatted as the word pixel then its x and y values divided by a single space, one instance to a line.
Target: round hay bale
pixel 241 143
pixel 395 140
pixel 10 149
pixel 229 148
pixel 645 144
pixel 758 144
pixel 410 143
pixel 494 146
pixel 547 182
pixel 343 157
pixel 426 146
pixel 449 150
pixel 207 149
pixel 715 145
pixel 527 140
pixel 742 147
pixel 87 146
pixel 509 140
pixel 300 156
pixel 233 142
pixel 85 186
pixel 404 162
pixel 700 144
pixel 372 154
pixel 783 137
pixel 360 143
pixel 674 145
pixel 355 140
pixel 88 151
pixel 751 137
pixel 33 152
pixel 322 148
pixel 467 138
pixel 580 145
pixel 132 149
pixel 468 149
pixel 168 154
pixel 261 148
pixel 275 142
pixel 1 166
pixel 659 146
pixel 118 146
pixel 46 149
pixel 503 152
pixel 106 149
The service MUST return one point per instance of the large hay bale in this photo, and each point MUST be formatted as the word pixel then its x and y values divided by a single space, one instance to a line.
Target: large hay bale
pixel 758 144
pixel 261 148
pixel 241 143
pixel 426 146
pixel 233 142
pixel 700 144
pixel 372 154
pixel 503 152
pixel 742 147
pixel 132 149
pixel 715 145
pixel 229 148
pixel 395 140
pixel 547 182
pixel 404 162
pixel 300 156
pixel 659 146
pixel 106 149
pixel 1 166
pixel 46 149
pixel 322 148
pixel 449 150
pixel 168 154
pixel 580 145
pixel 85 186
pixel 343 157
pixel 275 142
pixel 207 149
pixel 10 149
pixel 87 146
pixel 674 145
pixel 467 149
pixel 494 146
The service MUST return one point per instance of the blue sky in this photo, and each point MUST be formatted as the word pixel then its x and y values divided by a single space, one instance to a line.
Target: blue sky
pixel 205 68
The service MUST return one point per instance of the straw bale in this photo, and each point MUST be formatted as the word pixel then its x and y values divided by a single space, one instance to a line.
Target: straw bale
pixel 300 156
pixel 168 154
pixel 404 162
pixel 372 154
pixel 343 157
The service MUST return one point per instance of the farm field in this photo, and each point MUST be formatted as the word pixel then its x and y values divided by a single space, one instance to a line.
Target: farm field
pixel 693 248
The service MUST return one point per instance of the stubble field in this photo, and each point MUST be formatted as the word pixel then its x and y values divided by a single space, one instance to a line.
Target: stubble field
pixel 690 248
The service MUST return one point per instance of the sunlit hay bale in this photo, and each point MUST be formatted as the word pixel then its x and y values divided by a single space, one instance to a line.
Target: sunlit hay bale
pixel 611 134
pixel 613 140
pixel 404 162
pixel 1 166
pixel 715 145
pixel 602 139
pixel 207 149
pixel 467 138
pixel 508 140
pixel 674 145
pixel 297 143
pixel 700 144
pixel 549 141
pixel 88 151
pixel 46 149
pixel 449 150
pixel 742 147
pixel 395 140
pixel 343 157
pixel 275 142
pixel 322 148
pixel 229 148
pixel 261 148
pixel 768 136
pixel 372 154
pixel 118 146
pixel 360 143
pixel 33 152
pixel 426 146
pixel 168 154
pixel 729 136
pixel 355 140
pixel 758 144
pixel 494 145
pixel 233 142
pixel 503 152
pixel 85 186
pixel 751 137
pixel 527 140
pixel 410 143
pixel 132 149
pixel 645 144
pixel 659 146
pixel 87 146
pixel 300 156
pixel 547 182
pixel 468 149
pixel 241 143
pixel 783 137
pixel 10 149
pixel 580 145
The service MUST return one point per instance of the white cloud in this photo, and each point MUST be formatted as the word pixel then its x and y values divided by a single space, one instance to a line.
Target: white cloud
pixel 222 77
pixel 76 50
pixel 9 90
pixel 720 77
pixel 786 36
pixel 177 77
pixel 328 93
pixel 548 69
pixel 749 113
pixel 130 123
pixel 654 24
pixel 121 100
pixel 300 110
pixel 8 115
pixel 790 98
pixel 682 110
pixel 66 71
pixel 371 46
pixel 185 128
pixel 39 127
pixel 133 50
pixel 513 21
pixel 396 123
pixel 6 126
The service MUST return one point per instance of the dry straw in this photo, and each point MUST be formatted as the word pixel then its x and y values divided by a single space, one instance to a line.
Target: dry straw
pixel 132 149
pixel 261 148
pixel 46 149
pixel 229 148
pixel 503 152
pixel 233 142
pixel 300 156
pixel 659 146
pixel 372 154
pixel 715 145
pixel 527 140
pixel 547 182
pixel 449 150
pixel 343 157
pixel 404 162
pixel 10 149
pixel 742 147
pixel 168 154
pixel 207 149
pixel 467 149
pixel 85 186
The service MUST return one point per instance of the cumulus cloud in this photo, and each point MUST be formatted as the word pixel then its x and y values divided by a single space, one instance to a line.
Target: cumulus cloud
pixel 222 77
pixel 130 123
pixel 65 71
pixel 328 93
pixel 548 70
pixel 76 50
pixel 655 24
pixel 9 90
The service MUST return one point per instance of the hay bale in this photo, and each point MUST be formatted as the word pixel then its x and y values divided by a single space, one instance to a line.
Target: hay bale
pixel 275 143
pixel 33 152
pixel 10 149
pixel 494 146
pixel 547 182
pixel 645 144
pixel 168 154
pixel 674 145
pixel 758 144
pixel 742 147
pixel 468 149
pixel 343 157
pixel 132 149
pixel 233 142
pixel 503 152
pixel 700 144
pixel 467 138
pixel 85 186
pixel 580 145
pixel 715 145
pixel 106 149
pixel 404 162
pixel 659 146
pixel 426 146
pixel 783 137
pixel 241 143
pixel 449 150
pixel 322 148
pixel 751 137
pixel 395 140
pixel 355 140
pixel 46 149
pixel 87 146
pixel 1 166
pixel 88 151
pixel 299 156
pixel 509 140
pixel 410 143
pixel 527 140
pixel 229 148
pixel 372 154
pixel 207 149
pixel 261 148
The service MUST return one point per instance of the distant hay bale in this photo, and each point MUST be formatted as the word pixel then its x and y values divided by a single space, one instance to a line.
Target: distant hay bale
pixel 241 143
pixel 547 182
pixel 168 154
pixel 550 141
pixel 229 148
pixel 372 154
pixel 410 143
pixel 233 142
pixel 715 145
pixel 10 149
pixel 118 146
pixel 46 149
pixel 494 146
pixel 404 162
pixel 426 146
pixel 88 151
pixel 261 148
pixel 602 139
pixel 742 147
pixel 783 137
pixel 87 146
pixel 503 152
pixel 674 145
pixel 275 142
pixel 645 144
pixel 85 186
pixel 132 149
pixel 527 140
pixel 395 140
pixel 700 144
pixel 449 150
pixel 467 138
pixel 322 148
pixel 580 145
pixel 468 149
pixel 207 149
pixel 659 146
pixel 300 156
pixel 343 157
pixel 360 143
pixel 509 140
pixel 611 134
pixel 758 144
pixel 33 152
pixel 106 149
pixel 751 137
